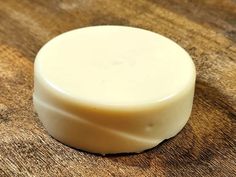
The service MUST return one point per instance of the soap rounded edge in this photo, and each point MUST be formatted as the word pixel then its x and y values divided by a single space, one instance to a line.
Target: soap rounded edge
pixel 59 93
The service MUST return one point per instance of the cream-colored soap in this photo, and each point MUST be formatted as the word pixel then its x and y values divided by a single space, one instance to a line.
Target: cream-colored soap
pixel 113 89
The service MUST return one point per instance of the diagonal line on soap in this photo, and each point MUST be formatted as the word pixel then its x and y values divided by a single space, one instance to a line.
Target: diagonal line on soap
pixel 96 125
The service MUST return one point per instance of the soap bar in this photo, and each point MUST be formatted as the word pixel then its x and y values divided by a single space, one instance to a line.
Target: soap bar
pixel 113 89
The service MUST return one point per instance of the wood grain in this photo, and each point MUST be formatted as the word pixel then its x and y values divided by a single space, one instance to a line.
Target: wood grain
pixel 206 29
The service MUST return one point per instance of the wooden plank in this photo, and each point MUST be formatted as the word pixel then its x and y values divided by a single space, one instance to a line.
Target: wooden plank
pixel 206 29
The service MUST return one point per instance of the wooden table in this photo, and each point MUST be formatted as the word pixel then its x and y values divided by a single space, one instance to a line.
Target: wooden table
pixel 206 29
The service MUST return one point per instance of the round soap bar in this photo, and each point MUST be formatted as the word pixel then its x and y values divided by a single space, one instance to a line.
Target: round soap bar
pixel 113 89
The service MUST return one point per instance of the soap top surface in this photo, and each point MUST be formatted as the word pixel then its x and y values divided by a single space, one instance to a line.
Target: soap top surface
pixel 115 65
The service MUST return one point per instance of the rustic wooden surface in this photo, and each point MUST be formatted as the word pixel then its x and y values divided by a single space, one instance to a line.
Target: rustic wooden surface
pixel 206 29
